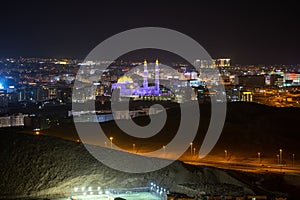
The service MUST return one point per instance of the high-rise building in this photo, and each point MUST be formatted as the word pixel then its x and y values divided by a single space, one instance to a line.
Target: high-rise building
pixel 251 80
pixel 203 63
pixel 3 101
pixel 221 62
pixel 275 80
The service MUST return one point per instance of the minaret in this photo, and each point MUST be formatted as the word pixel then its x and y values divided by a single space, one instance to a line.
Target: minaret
pixel 156 77
pixel 145 83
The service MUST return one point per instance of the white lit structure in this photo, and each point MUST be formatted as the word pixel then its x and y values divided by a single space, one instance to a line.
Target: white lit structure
pixel 13 120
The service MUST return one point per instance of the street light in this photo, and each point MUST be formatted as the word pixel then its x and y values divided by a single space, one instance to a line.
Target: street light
pixel 105 144
pixel 280 156
pixel 293 159
pixel 258 156
pixel 226 153
pixel 164 148
pixel 191 148
pixel 277 159
pixel 194 151
pixel 133 147
pixel 111 139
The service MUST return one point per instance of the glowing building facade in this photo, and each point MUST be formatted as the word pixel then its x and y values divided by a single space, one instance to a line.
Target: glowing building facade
pixel 291 79
pixel 221 62
pixel 128 87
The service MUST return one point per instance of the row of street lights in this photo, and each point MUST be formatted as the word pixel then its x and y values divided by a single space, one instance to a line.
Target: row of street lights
pixel 279 157
pixel 193 152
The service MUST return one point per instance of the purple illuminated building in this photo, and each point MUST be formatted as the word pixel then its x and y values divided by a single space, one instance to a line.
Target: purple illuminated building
pixel 129 88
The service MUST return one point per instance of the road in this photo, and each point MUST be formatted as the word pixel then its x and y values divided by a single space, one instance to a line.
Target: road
pixel 213 162
pixel 247 167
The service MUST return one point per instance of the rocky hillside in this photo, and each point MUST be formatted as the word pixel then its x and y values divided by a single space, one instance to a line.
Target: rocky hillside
pixel 47 167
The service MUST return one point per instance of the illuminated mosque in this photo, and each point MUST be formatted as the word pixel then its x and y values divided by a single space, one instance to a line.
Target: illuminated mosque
pixel 128 87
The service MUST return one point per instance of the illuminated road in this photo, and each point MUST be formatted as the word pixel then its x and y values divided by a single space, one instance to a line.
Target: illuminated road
pixel 248 167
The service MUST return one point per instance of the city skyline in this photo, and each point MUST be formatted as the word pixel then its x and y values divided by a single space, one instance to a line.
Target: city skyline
pixel 149 100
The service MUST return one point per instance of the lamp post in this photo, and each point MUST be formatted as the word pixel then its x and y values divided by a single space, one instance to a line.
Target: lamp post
pixel 111 139
pixel 277 159
pixel 105 144
pixel 293 159
pixel 133 147
pixel 191 148
pixel 164 148
pixel 258 156
pixel 226 154
pixel 194 151
pixel 280 156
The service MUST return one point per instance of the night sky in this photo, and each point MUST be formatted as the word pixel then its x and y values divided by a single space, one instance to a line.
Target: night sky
pixel 249 32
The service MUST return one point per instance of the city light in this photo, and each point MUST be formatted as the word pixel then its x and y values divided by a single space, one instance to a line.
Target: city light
pixel 293 158
pixel 280 156
pixel 111 142
pixel 226 154
pixel 210 110
pixel 96 192
pixel 161 191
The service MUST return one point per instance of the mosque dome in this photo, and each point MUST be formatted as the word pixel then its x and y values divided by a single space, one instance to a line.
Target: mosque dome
pixel 125 79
